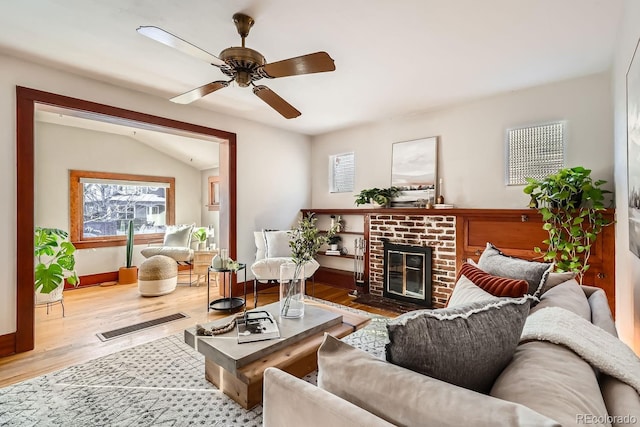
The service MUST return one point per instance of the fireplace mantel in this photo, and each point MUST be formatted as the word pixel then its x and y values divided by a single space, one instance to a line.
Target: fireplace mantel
pixel 515 231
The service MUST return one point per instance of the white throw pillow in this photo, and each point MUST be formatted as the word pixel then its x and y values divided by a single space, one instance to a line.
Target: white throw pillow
pixel 466 291
pixel 178 236
pixel 277 244
pixel 261 245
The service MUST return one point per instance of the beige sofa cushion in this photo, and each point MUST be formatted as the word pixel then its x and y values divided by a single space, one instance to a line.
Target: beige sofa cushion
pixel 622 401
pixel 291 402
pixel 555 279
pixel 568 295
pixel 406 398
pixel 551 380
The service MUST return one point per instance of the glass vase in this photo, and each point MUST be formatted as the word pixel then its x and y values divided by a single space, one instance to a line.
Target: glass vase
pixel 291 291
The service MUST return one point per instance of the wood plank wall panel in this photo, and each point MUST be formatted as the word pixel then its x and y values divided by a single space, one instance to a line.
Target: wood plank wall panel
pixel 516 232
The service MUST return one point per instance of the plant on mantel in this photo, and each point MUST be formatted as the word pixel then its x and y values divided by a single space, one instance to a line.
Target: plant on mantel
pixel 379 196
pixel 572 206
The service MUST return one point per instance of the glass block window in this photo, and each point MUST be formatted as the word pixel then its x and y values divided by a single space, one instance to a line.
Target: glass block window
pixel 342 170
pixel 534 152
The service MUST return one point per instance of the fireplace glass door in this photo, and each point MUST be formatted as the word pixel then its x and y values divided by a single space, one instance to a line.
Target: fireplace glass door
pixel 406 274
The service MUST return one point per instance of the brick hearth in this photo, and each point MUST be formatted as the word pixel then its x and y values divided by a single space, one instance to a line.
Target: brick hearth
pixel 436 231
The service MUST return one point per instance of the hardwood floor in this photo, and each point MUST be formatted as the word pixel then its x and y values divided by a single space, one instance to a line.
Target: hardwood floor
pixel 62 342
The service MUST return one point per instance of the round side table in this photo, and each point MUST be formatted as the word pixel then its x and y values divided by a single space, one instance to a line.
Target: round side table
pixel 227 302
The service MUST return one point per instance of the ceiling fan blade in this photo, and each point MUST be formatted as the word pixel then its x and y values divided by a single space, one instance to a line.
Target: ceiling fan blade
pixel 160 35
pixel 318 62
pixel 195 94
pixel 277 103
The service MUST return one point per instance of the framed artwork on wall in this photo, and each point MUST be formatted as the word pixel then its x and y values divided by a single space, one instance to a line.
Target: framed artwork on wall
pixel 414 169
pixel 633 153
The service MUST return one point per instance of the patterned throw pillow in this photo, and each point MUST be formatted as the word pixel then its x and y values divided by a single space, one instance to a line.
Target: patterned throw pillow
pixel 493 261
pixel 467 345
pixel 495 285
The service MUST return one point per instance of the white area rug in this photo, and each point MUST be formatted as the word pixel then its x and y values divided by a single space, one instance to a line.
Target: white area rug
pixel 160 383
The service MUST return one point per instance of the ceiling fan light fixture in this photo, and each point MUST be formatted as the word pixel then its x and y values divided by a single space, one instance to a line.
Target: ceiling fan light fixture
pixel 244 66
pixel 243 78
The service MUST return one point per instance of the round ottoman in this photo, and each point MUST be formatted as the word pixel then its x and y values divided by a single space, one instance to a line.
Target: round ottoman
pixel 158 275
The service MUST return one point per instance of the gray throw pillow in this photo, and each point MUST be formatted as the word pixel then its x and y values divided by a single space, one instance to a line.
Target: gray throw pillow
pixel 493 261
pixel 467 345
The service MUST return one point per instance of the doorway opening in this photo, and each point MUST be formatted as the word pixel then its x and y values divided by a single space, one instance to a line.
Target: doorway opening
pixel 28 102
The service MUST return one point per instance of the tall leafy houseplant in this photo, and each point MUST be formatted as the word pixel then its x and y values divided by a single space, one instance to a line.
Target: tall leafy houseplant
pixel 571 205
pixel 305 241
pixel 129 273
pixel 55 260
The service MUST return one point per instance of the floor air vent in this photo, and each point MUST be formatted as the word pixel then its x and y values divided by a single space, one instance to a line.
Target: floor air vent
pixel 116 333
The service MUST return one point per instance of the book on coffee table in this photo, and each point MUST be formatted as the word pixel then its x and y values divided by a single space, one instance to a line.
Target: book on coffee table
pixel 257 325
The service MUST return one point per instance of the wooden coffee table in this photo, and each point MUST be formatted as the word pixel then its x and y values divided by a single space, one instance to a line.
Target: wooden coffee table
pixel 237 369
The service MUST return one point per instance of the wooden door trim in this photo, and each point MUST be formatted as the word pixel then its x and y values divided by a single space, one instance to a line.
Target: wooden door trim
pixel 26 99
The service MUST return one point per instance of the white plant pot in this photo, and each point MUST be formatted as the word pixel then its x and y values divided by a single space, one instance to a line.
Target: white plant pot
pixel 333 247
pixel 53 296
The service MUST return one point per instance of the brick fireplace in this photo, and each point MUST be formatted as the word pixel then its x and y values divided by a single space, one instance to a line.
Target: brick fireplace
pixel 435 231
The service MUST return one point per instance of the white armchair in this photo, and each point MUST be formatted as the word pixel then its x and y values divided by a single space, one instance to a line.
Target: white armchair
pixel 273 250
pixel 176 244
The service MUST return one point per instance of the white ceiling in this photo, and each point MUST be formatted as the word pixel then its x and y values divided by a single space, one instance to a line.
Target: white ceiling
pixel 392 58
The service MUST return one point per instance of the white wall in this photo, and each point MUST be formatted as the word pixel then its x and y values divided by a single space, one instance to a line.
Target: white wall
pixel 472 142
pixel 627 265
pixel 273 165
pixel 209 217
pixel 61 148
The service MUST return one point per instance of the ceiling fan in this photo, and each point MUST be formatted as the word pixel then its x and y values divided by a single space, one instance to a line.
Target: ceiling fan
pixel 244 65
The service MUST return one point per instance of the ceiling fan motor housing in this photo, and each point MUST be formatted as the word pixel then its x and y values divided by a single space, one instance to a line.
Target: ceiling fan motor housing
pixel 242 64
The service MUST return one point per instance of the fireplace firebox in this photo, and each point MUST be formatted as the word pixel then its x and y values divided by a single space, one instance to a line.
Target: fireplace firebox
pixel 407 273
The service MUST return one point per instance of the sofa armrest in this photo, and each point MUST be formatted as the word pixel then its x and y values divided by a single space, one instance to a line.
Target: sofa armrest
pixel 289 401
pixel 622 401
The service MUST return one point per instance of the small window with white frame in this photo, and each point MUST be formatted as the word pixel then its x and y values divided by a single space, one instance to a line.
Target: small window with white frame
pixel 534 151
pixel 342 169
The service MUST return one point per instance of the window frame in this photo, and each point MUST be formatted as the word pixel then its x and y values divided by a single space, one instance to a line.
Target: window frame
pixel 214 193
pixel 76 209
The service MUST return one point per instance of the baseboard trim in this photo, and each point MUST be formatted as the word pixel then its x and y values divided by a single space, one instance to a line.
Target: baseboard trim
pixel 94 279
pixel 334 277
pixel 7 344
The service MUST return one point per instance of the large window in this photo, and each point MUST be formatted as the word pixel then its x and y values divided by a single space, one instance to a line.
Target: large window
pixel 102 204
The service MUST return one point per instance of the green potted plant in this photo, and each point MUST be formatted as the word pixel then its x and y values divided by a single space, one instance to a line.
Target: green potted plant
pixel 334 241
pixel 378 196
pixel 571 205
pixel 201 236
pixel 129 273
pixel 305 241
pixel 55 262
